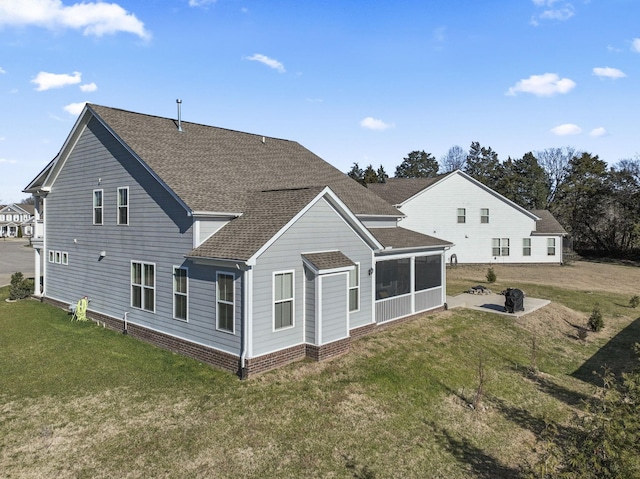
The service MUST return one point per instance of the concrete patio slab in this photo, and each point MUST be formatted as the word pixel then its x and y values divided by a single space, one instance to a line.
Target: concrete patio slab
pixel 493 303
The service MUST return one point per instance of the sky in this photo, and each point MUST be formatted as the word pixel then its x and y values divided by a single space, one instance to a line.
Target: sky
pixel 353 81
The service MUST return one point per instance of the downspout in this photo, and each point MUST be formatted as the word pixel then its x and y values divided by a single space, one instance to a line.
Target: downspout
pixel 125 330
pixel 246 320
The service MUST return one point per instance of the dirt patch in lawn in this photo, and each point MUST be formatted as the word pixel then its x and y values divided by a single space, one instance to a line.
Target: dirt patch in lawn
pixel 581 276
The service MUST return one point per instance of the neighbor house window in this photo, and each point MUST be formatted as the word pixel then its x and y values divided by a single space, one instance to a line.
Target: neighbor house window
pixel 282 300
pixel 97 207
pixel 354 288
pixel 428 272
pixel 123 206
pixel 52 256
pixel 225 310
pixel 393 278
pixel 526 246
pixel 551 246
pixel 462 215
pixel 58 257
pixel 1 217
pixel 65 257
pixel 143 286
pixel 180 293
pixel 500 247
pixel 484 215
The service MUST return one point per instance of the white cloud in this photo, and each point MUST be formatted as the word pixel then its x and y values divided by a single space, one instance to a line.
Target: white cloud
pixel 46 81
pixel 93 18
pixel 2 71
pixel 608 72
pixel 547 84
pixel 552 12
pixel 635 45
pixel 270 62
pixel 75 108
pixel 374 124
pixel 598 132
pixel 6 161
pixel 314 100
pixel 566 129
pixel 200 3
pixel 87 87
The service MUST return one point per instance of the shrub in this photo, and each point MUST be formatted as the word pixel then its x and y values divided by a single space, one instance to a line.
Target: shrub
pixel 583 333
pixel 634 301
pixel 19 235
pixel 491 275
pixel 20 287
pixel 596 323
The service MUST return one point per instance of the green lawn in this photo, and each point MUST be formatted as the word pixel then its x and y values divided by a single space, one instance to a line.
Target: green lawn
pixel 77 400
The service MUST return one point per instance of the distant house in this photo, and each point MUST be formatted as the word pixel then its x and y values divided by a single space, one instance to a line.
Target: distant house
pixel 16 217
pixel 244 251
pixel 484 226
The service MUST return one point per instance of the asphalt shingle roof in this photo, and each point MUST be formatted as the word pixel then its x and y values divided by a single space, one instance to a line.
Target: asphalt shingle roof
pixel 547 224
pixel 328 260
pixel 398 190
pixel 214 169
pixel 404 238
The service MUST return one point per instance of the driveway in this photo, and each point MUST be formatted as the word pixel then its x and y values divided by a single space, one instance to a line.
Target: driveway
pixel 15 255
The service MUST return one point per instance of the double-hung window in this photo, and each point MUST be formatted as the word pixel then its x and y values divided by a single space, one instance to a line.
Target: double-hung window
pixel 354 288
pixel 500 247
pixel 462 215
pixel 551 246
pixel 484 215
pixel 225 302
pixel 97 207
pixel 143 286
pixel 123 205
pixel 283 300
pixel 526 246
pixel 180 293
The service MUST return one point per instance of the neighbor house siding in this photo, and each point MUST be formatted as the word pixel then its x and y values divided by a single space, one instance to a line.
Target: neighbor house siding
pixel 434 211
pixel 319 229
pixel 159 232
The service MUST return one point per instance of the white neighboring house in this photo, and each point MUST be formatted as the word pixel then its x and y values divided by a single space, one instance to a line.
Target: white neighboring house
pixel 16 216
pixel 484 226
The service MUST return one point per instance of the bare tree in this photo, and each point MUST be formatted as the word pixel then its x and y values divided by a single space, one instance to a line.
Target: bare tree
pixel 454 159
pixel 555 162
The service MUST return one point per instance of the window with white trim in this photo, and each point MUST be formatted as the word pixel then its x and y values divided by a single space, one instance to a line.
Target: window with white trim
pixel 143 286
pixel 526 246
pixel 123 205
pixel 65 257
pixel 354 288
pixel 97 206
pixel 58 257
pixel 484 215
pixel 462 215
pixel 551 246
pixel 225 317
pixel 180 293
pixel 283 300
pixel 52 256
pixel 500 247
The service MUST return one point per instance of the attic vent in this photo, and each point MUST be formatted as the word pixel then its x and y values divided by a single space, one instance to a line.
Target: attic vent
pixel 264 140
pixel 179 102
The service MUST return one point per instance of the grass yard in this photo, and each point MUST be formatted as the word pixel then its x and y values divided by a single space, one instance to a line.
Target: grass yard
pixel 80 401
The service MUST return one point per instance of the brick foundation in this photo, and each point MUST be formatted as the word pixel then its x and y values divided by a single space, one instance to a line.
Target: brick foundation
pixel 230 362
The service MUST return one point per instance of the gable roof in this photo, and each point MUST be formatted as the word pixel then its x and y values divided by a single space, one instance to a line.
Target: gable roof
pixel 398 190
pixel 547 224
pixel 327 261
pixel 215 169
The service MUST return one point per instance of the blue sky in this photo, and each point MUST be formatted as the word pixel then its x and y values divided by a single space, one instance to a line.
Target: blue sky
pixel 353 81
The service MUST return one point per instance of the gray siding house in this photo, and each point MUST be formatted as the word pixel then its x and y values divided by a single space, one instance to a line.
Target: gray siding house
pixel 240 250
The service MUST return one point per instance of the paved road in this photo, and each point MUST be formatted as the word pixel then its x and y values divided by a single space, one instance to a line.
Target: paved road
pixel 15 255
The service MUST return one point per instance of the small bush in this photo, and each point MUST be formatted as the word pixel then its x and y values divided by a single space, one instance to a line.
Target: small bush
pixel 20 287
pixel 583 333
pixel 596 323
pixel 491 275
pixel 634 301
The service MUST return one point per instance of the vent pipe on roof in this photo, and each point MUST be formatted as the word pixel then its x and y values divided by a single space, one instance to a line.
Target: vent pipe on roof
pixel 179 102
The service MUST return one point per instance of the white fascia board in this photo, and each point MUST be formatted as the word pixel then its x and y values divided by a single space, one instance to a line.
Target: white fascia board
pixel 214 214
pixel 335 201
pixel 227 263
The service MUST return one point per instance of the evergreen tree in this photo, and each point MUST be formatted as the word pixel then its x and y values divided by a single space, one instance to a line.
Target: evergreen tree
pixel 483 165
pixel 356 173
pixel 418 164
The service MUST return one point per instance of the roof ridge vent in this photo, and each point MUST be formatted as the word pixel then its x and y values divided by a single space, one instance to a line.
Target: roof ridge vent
pixel 179 103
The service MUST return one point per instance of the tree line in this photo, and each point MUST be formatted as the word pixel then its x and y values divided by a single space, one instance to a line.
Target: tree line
pixel 598 205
